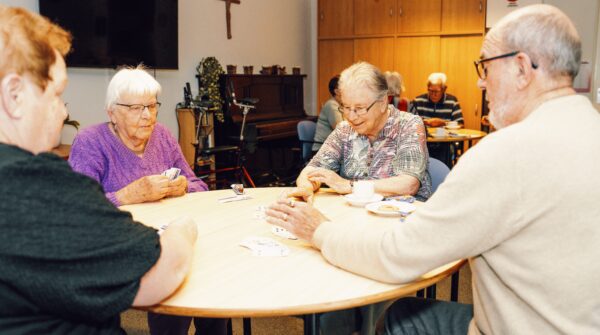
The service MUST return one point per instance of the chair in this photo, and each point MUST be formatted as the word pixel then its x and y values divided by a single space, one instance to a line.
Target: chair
pixel 306 134
pixel 438 171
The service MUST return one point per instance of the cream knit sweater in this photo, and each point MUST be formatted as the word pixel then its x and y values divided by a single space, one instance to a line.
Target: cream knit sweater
pixel 524 207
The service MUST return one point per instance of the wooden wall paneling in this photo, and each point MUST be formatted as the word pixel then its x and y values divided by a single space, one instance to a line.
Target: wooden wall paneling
pixel 463 15
pixel 415 59
pixel 334 56
pixel 377 51
pixel 374 17
pixel 457 56
pixel 419 16
pixel 336 18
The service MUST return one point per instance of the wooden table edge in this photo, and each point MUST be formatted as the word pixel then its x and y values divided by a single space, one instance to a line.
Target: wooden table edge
pixel 307 309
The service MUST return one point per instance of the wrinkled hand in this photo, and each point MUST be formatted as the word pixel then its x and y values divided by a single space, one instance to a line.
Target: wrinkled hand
pixel 332 179
pixel 178 186
pixel 299 218
pixel 305 193
pixel 147 188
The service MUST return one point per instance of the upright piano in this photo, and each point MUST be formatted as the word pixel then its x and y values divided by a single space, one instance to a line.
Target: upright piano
pixel 274 120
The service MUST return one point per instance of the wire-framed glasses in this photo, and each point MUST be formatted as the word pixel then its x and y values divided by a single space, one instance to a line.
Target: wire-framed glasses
pixel 359 111
pixel 139 108
pixel 482 69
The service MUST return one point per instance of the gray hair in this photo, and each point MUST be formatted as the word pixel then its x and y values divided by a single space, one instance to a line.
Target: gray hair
pixel 437 78
pixel 544 33
pixel 394 82
pixel 363 75
pixel 131 81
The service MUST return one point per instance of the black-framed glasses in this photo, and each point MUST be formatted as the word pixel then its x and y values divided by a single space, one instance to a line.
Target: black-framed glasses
pixel 482 70
pixel 359 111
pixel 139 108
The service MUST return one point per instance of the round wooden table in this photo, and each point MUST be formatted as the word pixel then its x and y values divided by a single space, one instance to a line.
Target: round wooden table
pixel 455 139
pixel 226 280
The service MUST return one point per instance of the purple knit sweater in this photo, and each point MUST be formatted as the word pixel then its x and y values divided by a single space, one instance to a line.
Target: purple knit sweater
pixel 100 154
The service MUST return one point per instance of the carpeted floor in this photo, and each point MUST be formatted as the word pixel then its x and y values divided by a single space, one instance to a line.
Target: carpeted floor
pixel 134 322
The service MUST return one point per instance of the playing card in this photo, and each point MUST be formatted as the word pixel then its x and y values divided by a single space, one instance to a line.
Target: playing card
pixel 172 173
pixel 282 232
pixel 162 228
pixel 264 246
pixel 260 212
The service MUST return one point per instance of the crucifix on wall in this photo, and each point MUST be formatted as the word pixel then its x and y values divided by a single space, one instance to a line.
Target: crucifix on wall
pixel 228 15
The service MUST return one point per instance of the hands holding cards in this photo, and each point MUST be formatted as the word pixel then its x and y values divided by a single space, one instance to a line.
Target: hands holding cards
pixel 299 218
pixel 152 188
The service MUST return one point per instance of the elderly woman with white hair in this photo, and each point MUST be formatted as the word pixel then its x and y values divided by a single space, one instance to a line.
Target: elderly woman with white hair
pixel 128 154
pixel 375 142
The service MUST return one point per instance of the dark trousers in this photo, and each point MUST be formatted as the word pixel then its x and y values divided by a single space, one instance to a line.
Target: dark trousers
pixel 412 316
pixel 161 324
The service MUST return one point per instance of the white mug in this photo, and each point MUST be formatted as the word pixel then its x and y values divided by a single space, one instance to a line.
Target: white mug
pixel 452 124
pixel 363 189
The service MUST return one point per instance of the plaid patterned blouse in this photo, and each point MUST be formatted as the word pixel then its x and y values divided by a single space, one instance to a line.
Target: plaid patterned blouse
pixel 400 148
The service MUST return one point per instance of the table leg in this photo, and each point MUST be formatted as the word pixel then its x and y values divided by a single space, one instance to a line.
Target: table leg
pixel 454 287
pixel 431 292
pixel 247 326
pixel 311 324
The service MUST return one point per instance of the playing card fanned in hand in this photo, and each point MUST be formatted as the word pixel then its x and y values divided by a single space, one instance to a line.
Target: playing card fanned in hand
pixel 282 232
pixel 172 173
pixel 264 246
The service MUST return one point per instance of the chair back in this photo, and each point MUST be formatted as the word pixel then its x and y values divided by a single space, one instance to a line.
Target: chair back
pixel 438 172
pixel 306 135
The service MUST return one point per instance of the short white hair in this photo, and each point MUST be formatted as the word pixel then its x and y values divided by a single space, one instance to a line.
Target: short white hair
pixel 545 34
pixel 395 83
pixel 437 78
pixel 130 81
pixel 363 75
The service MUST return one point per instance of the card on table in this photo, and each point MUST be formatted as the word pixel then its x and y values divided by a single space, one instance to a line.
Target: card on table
pixel 282 232
pixel 264 246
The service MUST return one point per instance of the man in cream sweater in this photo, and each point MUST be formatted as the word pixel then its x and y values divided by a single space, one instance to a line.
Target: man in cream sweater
pixel 527 215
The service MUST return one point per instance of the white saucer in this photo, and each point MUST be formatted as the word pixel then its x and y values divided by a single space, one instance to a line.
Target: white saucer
pixel 453 127
pixel 352 200
pixel 403 208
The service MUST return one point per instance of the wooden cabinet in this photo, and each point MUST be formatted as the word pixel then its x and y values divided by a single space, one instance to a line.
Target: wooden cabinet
pixel 374 17
pixel 334 56
pixel 413 37
pixel 419 16
pixel 336 18
pixel 463 16
pixel 377 51
pixel 457 56
pixel 412 63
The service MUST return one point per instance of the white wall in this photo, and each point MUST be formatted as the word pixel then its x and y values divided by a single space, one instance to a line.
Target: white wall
pixel 265 32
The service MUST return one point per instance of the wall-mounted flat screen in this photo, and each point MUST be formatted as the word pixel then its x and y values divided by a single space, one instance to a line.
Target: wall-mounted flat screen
pixel 111 33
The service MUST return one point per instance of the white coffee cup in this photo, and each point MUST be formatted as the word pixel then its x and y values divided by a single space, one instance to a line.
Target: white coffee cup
pixel 452 124
pixel 363 189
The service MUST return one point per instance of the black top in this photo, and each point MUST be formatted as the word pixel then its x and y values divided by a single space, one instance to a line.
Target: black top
pixel 70 261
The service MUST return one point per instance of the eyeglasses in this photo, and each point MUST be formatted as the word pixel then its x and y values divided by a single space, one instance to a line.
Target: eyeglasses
pixel 139 108
pixel 359 111
pixel 482 70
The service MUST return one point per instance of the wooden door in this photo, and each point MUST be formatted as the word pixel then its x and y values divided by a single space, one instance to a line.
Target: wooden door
pixel 419 16
pixel 336 18
pixel 377 51
pixel 463 15
pixel 415 59
pixel 334 56
pixel 374 17
pixel 457 56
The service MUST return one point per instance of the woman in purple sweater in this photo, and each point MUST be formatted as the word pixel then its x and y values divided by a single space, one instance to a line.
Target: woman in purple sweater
pixel 127 156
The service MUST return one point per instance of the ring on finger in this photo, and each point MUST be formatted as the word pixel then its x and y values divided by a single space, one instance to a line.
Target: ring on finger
pixel 292 202
pixel 285 216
